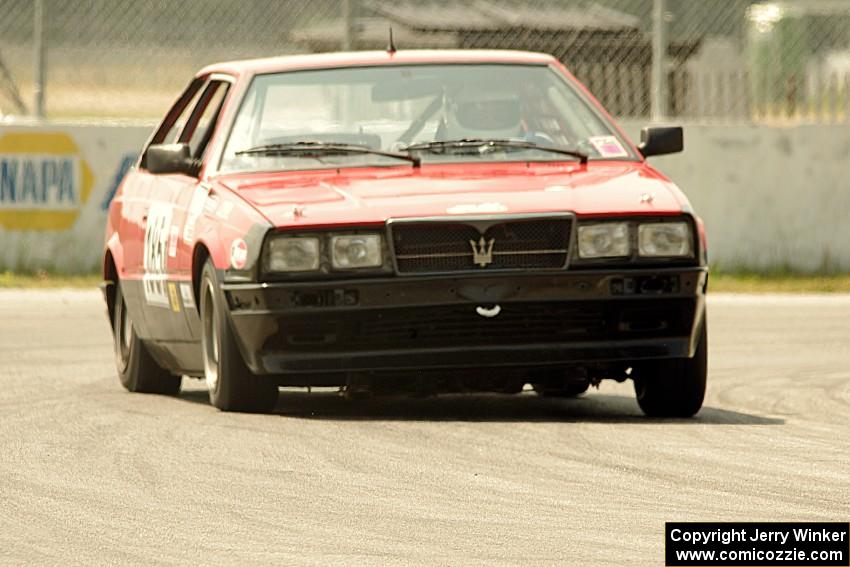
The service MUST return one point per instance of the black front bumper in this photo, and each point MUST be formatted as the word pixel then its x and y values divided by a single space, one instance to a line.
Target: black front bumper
pixel 433 322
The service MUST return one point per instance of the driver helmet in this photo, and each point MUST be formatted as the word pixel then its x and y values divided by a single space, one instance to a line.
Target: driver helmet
pixel 484 114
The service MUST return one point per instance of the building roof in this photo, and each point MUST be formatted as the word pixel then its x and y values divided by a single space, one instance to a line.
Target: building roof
pixel 487 15
pixel 440 23
pixel 371 32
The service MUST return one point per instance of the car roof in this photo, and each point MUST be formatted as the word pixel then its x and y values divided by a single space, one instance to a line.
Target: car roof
pixel 373 58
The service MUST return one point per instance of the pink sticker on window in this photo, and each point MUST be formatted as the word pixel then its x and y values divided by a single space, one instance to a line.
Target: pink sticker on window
pixel 608 146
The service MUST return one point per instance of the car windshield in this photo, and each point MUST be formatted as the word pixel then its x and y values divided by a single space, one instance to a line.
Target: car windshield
pixel 406 109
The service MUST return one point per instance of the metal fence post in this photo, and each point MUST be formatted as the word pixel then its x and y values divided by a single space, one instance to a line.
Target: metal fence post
pixel 660 87
pixel 39 59
pixel 348 25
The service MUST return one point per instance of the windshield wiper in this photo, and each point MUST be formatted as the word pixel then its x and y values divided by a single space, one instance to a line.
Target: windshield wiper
pixel 443 145
pixel 308 148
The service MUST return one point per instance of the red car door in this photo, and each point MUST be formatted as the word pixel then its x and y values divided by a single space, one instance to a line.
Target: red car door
pixel 169 198
pixel 135 211
pixel 139 273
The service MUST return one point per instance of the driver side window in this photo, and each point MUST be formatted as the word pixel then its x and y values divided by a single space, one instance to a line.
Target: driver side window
pixel 192 119
pixel 201 124
pixel 178 116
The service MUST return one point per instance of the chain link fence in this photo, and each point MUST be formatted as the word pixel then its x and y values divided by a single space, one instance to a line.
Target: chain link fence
pixel 724 60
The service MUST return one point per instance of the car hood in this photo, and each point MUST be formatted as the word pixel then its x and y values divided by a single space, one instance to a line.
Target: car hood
pixel 374 195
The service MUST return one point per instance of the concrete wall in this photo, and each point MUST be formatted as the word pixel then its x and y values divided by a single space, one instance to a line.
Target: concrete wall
pixel 772 198
pixel 56 182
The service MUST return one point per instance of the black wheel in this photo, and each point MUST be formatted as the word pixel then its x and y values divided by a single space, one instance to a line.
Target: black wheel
pixel 673 388
pixel 137 369
pixel 232 386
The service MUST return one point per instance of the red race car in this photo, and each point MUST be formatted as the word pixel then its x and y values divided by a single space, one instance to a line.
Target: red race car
pixel 404 222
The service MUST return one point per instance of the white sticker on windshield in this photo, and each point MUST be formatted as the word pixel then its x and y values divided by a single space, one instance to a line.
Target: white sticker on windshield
pixel 608 146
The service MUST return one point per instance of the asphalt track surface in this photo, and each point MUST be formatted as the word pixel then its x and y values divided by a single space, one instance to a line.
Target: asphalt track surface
pixel 91 474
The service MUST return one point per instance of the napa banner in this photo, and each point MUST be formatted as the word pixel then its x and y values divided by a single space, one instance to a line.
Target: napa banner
pixel 56 183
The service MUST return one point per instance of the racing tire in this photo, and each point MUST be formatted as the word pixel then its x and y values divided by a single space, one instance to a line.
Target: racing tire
pixel 137 369
pixel 232 385
pixel 675 387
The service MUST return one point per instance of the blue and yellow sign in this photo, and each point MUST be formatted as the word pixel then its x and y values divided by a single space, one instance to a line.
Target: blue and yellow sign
pixel 44 181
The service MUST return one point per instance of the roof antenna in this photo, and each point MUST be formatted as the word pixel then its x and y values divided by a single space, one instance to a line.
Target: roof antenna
pixel 391 45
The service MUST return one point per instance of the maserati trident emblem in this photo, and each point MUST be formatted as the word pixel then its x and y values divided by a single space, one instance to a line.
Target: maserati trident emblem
pixel 482 251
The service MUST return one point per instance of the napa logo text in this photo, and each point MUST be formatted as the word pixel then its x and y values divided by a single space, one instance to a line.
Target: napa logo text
pixel 44 181
pixel 39 181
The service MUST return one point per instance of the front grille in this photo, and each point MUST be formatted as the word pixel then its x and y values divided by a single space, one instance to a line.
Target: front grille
pixel 481 245
pixel 545 322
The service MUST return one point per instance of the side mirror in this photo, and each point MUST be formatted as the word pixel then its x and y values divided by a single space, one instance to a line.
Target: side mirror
pixel 661 140
pixel 169 158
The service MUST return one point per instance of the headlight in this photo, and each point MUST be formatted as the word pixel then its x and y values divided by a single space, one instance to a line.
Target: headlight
pixel 356 251
pixel 604 240
pixel 293 254
pixel 672 239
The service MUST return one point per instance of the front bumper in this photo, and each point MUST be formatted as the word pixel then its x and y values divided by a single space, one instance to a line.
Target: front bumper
pixel 600 316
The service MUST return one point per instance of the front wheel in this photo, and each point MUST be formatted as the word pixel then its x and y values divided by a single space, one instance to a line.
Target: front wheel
pixel 676 387
pixel 232 385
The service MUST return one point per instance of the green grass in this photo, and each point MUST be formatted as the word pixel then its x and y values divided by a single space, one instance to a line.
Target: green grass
pixel 40 280
pixel 738 282
pixel 779 283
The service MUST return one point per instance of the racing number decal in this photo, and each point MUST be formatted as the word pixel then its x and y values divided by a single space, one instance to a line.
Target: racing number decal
pixel 157 232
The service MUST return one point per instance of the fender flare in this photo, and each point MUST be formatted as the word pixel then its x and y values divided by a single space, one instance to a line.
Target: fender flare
pixel 114 248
